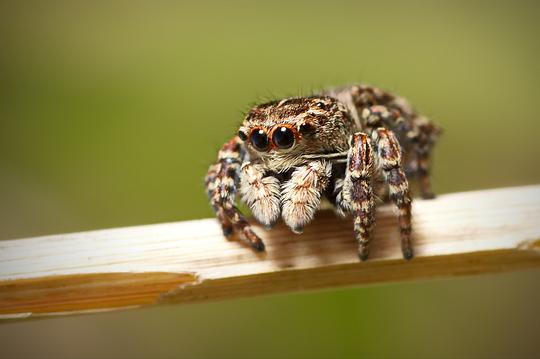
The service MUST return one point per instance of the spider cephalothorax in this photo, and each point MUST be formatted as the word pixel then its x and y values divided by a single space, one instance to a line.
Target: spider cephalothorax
pixel 341 144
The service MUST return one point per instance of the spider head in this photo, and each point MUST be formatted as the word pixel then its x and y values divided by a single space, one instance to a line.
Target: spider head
pixel 294 126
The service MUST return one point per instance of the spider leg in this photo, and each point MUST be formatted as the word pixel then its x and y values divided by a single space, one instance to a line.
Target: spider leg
pixel 379 115
pixel 342 201
pixel 427 136
pixel 356 193
pixel 389 158
pixel 423 171
pixel 212 182
pixel 221 184
pixel 417 130
pixel 260 193
pixel 301 195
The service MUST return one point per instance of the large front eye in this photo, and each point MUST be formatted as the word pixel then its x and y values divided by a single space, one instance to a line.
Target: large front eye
pixel 259 140
pixel 283 137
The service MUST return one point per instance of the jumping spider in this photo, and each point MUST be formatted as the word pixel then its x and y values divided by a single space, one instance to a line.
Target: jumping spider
pixel 343 144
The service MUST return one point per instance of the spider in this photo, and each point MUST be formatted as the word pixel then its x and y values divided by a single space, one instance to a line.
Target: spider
pixel 349 144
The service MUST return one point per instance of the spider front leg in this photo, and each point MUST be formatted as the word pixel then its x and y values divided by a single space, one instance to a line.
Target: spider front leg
pixel 221 182
pixel 389 156
pixel 356 195
pixel 301 195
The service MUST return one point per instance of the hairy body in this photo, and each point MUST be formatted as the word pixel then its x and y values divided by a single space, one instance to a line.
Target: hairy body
pixel 347 144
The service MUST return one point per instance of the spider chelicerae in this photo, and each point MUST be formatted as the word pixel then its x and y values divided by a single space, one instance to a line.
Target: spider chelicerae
pixel 350 144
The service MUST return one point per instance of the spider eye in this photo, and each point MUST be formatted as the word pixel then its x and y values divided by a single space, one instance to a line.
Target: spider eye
pixel 283 137
pixel 306 128
pixel 259 140
pixel 320 104
pixel 242 135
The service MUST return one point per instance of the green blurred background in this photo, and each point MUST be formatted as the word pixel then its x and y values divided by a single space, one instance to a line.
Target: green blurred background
pixel 110 113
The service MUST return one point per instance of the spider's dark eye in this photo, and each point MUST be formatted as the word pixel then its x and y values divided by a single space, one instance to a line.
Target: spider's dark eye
pixel 283 137
pixel 259 140
pixel 242 135
pixel 306 128
pixel 320 104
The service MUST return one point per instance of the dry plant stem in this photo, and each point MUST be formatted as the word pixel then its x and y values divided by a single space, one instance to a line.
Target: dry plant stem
pixel 457 234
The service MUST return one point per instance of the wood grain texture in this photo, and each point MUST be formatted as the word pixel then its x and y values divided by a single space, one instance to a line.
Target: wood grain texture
pixel 456 234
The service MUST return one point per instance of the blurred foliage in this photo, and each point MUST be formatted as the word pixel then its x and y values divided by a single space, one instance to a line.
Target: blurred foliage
pixel 110 113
